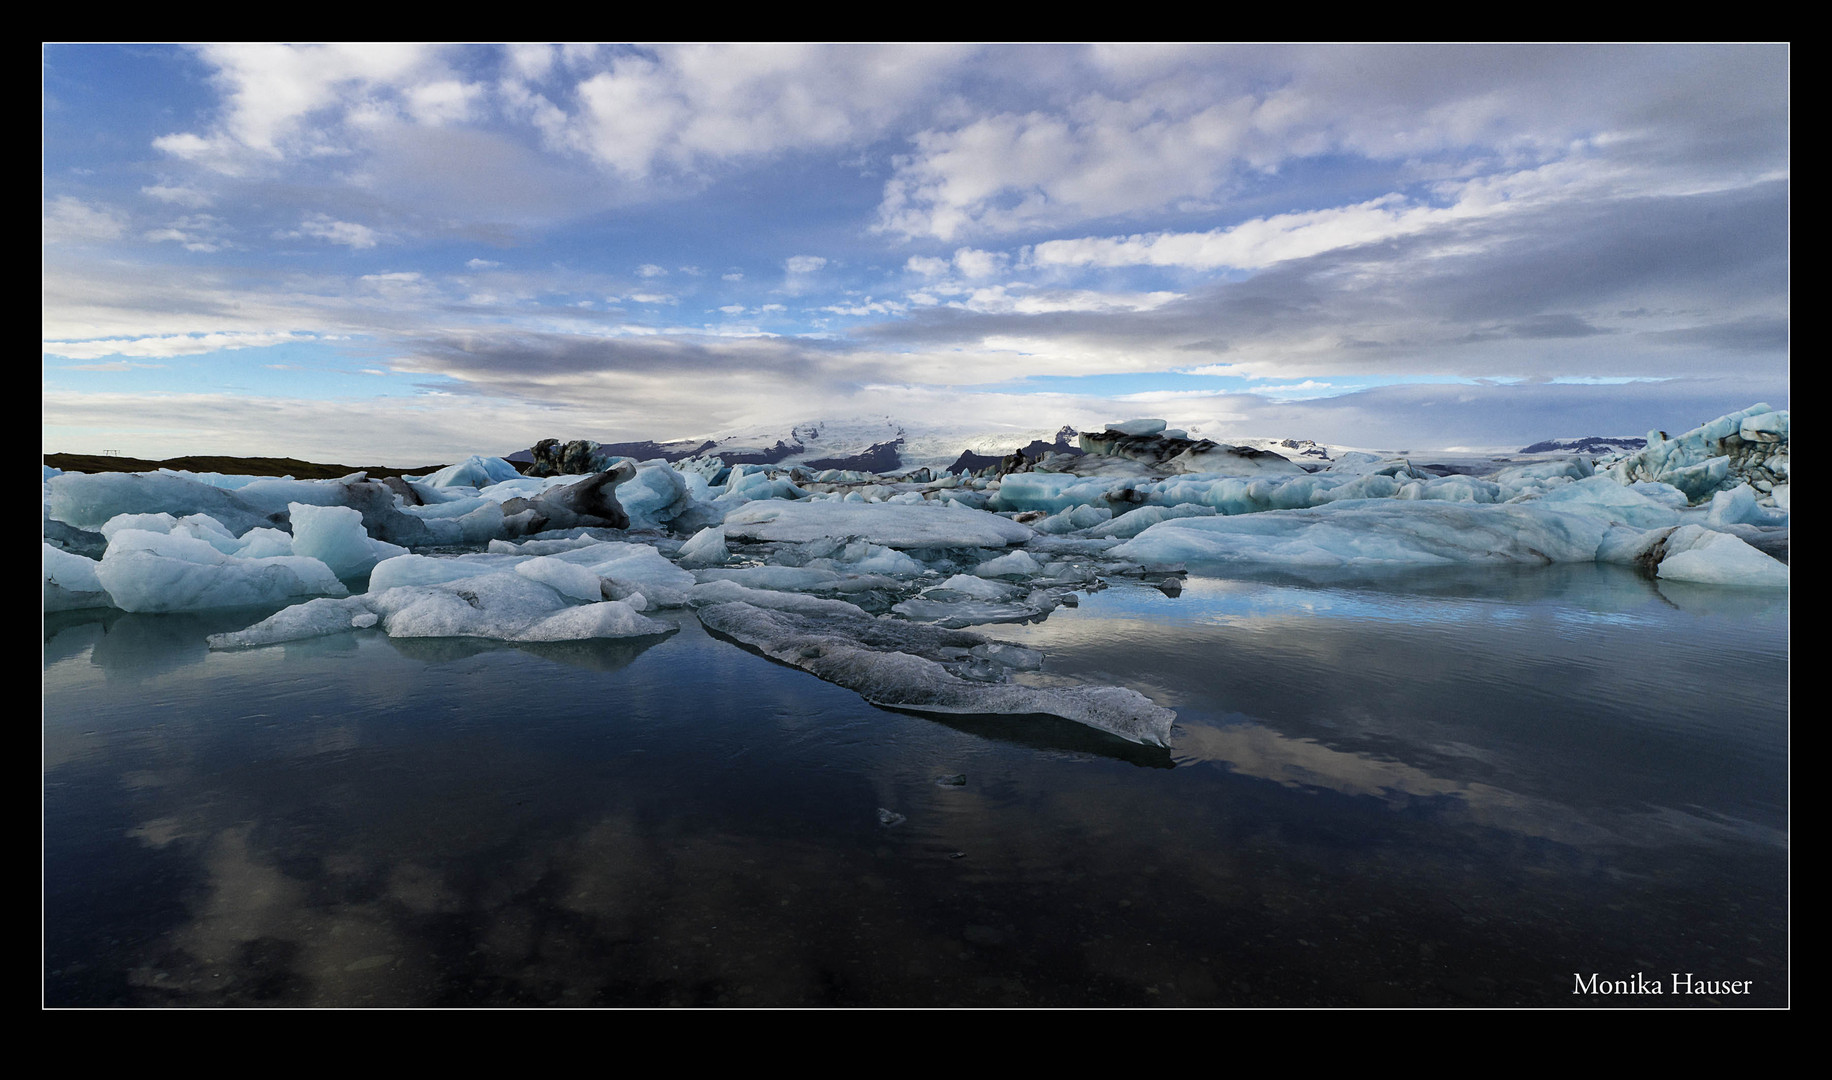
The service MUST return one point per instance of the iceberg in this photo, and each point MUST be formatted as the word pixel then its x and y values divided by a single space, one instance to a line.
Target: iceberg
pixel 907 666
pixel 902 526
pixel 148 571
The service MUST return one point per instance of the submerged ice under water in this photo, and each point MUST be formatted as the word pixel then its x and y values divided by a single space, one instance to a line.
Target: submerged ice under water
pixel 1458 788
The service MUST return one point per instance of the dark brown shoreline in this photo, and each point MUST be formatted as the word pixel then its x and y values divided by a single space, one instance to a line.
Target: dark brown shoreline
pixel 231 466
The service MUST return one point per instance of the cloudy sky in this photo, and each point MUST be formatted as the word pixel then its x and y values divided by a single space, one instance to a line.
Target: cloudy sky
pixel 399 253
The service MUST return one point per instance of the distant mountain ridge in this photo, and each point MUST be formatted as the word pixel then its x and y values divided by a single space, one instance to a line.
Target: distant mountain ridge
pixel 1589 444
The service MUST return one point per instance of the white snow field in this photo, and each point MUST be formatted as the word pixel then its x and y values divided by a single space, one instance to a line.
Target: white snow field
pixel 866 580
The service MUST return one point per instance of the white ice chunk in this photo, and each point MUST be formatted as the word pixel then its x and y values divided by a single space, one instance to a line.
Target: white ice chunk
pixel 976 587
pixel 727 592
pixel 334 535
pixel 567 578
pixel 506 607
pixel 205 527
pixel 1015 564
pixel 146 571
pixel 1738 506
pixel 314 618
pixel 1694 553
pixel 70 582
pixel 898 526
pixel 706 548
pixel 426 570
pixel 1602 497
pixel 604 619
pixel 87 500
pixel 1127 526
pixel 522 487
pixel 475 471
pixel 863 557
pixel 1374 533
pixel 656 495
pixel 635 568
pixel 1138 427
pixel 1074 519
pixel 254 544
pixel 160 522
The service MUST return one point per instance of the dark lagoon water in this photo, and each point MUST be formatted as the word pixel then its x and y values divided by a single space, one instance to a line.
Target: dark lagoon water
pixel 1453 789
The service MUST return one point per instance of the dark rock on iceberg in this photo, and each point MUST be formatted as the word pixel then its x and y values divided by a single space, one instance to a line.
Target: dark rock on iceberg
pixel 590 503
pixel 576 458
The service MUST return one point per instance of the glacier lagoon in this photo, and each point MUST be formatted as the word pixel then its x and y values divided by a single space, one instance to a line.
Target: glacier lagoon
pixel 1470 786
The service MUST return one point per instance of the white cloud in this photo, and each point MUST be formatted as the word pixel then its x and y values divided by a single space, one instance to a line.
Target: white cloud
pixel 979 264
pixel 1190 128
pixel 926 265
pixel 681 108
pixel 198 232
pixel 482 264
pixel 868 306
pixel 70 220
pixel 447 101
pixel 172 344
pixel 803 264
pixel 119 365
pixel 650 270
pixel 1260 242
pixel 347 233
pixel 1023 300
pixel 1010 171
pixel 734 276
pixel 270 92
pixel 178 195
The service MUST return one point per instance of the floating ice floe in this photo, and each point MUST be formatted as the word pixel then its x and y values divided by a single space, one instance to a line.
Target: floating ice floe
pixel 902 526
pixel 911 666
pixel 150 571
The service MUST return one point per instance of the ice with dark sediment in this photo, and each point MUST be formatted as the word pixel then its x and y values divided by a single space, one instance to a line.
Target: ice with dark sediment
pixel 905 665
pixel 903 526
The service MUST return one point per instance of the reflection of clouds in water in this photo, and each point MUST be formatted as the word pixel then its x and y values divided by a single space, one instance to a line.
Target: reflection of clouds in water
pixel 1252 750
pixel 255 935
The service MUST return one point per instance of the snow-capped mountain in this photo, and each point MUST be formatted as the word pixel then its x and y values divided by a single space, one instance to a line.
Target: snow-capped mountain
pixel 1588 444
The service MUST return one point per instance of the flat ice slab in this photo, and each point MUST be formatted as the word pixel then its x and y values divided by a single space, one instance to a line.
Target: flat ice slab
pixel 896 525
pixel 904 665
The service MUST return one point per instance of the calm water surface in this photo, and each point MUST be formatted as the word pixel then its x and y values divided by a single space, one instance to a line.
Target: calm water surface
pixel 1455 789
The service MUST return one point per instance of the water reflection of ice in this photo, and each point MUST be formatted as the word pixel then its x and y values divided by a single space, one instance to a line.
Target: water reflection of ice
pixel 1430 794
